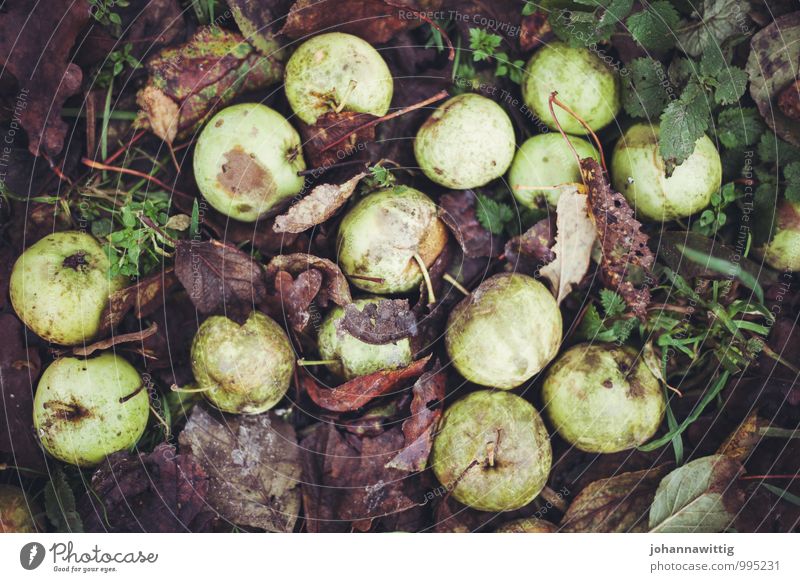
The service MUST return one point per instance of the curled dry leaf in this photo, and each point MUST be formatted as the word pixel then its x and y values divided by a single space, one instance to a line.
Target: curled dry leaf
pixel 36 42
pixel 376 21
pixel 346 484
pixel 702 496
pixel 772 67
pixel 418 430
pixel 457 211
pixel 253 465
pixel 295 296
pixel 359 391
pixel 575 238
pixel 349 127
pixel 335 287
pixel 215 275
pixel 201 76
pixel 386 321
pixel 533 249
pixel 626 259
pixel 322 203
pixel 161 492
pixel 615 505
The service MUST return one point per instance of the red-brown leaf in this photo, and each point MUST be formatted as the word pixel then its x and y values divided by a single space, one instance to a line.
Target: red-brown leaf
pixel 359 391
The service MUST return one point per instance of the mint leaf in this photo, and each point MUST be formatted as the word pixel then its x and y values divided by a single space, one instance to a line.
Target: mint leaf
pixel 731 84
pixel 493 215
pixel 738 127
pixel 771 148
pixel 644 94
pixel 653 28
pixel 716 21
pixel 683 122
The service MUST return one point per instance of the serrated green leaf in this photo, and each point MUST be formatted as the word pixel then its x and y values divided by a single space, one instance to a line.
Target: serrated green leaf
pixel 701 497
pixel 493 215
pixel 683 122
pixel 738 127
pixel 612 302
pixel 645 94
pixel 653 28
pixel 716 22
pixel 731 84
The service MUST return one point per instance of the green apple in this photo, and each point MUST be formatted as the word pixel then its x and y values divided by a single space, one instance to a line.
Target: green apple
pixel 492 451
pixel 505 332
pixel 639 173
pixel 242 369
pixel 584 83
pixel 18 514
pixel 603 398
pixel 337 71
pixel 84 410
pixel 547 160
pixel 246 161
pixel 783 251
pixel 380 236
pixel 354 357
pixel 527 525
pixel 467 142
pixel 60 287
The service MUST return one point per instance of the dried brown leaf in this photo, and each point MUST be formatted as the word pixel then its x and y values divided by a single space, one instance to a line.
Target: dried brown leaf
pixel 335 287
pixel 457 211
pixel 253 465
pixel 418 430
pixel 357 392
pixel 347 129
pixel 297 295
pixel 322 203
pixel 216 275
pixel 575 238
pixel 383 322
pixel 36 42
pixel 627 260
pixel 618 504
pixel 532 250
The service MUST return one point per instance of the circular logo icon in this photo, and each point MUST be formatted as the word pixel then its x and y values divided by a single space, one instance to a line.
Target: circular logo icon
pixel 31 555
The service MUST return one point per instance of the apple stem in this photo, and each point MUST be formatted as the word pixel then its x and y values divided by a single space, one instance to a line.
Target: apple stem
pixel 161 421
pixel 456 284
pixel 124 399
pixel 427 277
pixel 304 362
pixel 555 100
pixel 175 388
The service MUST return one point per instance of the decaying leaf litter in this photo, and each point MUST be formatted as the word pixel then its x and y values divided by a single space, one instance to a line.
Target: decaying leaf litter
pixel 104 140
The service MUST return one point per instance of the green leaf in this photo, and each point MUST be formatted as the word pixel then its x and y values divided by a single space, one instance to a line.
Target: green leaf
pixel 529 8
pixel 493 215
pixel 644 93
pixel 782 493
pixel 683 122
pixel 724 267
pixel 615 11
pixel 791 172
pixel 716 22
pixel 653 28
pixel 484 44
pixel 771 148
pixel 731 84
pixel 738 127
pixel 612 302
pixel 701 497
pixel 59 502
